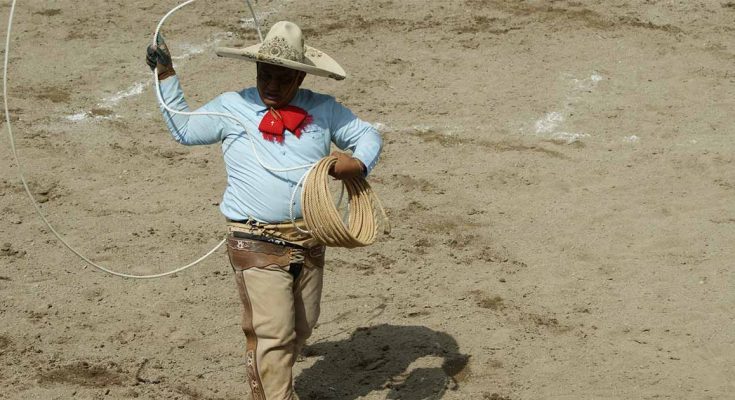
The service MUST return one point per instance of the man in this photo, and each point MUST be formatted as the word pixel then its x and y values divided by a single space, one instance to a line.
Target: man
pixel 277 267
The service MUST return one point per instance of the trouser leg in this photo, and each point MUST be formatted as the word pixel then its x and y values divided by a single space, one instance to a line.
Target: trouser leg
pixel 269 320
pixel 307 296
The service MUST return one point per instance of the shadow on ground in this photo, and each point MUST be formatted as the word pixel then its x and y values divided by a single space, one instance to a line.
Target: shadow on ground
pixel 412 362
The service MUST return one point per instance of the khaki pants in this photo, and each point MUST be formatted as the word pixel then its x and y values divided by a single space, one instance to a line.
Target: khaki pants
pixel 279 312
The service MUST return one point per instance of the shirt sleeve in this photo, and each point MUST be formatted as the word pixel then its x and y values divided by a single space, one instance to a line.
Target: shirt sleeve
pixel 190 129
pixel 352 133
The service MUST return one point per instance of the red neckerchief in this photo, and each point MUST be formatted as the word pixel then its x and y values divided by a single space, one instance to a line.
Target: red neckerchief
pixel 274 122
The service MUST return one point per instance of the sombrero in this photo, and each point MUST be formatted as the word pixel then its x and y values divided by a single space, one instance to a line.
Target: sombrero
pixel 284 46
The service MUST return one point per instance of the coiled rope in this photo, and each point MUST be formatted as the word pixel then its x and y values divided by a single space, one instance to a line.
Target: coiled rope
pixel 359 199
pixel 322 217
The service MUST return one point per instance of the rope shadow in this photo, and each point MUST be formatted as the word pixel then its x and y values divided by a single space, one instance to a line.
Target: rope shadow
pixel 378 358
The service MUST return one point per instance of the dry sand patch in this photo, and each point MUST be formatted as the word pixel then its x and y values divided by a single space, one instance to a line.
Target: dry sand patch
pixel 558 173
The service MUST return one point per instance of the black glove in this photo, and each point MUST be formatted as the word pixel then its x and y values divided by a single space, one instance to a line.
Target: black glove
pixel 159 56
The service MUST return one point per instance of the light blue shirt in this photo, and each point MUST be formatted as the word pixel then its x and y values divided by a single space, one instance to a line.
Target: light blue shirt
pixel 253 192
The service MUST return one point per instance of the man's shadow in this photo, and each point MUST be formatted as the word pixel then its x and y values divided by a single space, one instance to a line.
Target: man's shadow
pixel 378 358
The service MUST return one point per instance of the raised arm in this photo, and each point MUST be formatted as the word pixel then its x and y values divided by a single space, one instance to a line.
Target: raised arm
pixel 191 129
pixel 185 129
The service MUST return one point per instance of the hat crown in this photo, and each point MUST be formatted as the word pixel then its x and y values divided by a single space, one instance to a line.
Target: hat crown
pixel 284 46
pixel 284 40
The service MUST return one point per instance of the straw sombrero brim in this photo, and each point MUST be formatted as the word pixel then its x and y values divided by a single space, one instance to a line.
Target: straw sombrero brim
pixel 316 62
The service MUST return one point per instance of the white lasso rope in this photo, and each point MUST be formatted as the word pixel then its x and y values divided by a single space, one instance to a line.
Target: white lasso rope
pixel 25 183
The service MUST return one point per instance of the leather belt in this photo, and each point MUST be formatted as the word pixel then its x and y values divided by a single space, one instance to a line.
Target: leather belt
pixel 251 251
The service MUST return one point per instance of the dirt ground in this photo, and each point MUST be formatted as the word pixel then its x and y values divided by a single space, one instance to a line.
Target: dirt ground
pixel 559 175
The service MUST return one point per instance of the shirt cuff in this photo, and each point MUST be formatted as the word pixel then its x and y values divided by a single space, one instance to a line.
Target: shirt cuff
pixel 368 162
pixel 169 85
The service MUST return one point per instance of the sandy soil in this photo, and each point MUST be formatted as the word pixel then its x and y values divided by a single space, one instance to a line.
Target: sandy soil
pixel 559 175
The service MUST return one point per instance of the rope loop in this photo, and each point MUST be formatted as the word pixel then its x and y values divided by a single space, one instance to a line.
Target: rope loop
pixel 319 211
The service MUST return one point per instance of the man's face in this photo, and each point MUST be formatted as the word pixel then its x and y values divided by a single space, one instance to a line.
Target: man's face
pixel 277 85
